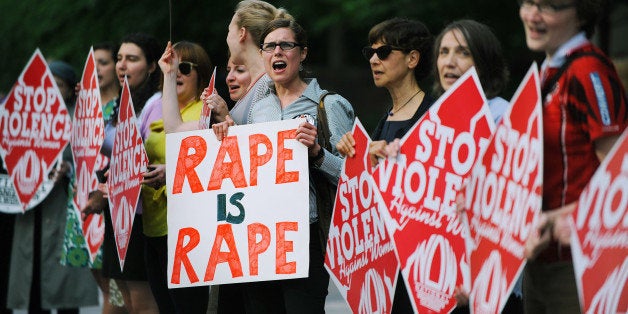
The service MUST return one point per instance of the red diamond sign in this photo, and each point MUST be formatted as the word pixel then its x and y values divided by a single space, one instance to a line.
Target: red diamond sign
pixel 87 138
pixel 360 253
pixel 420 185
pixel 205 120
pixel 128 165
pixel 35 128
pixel 599 236
pixel 503 199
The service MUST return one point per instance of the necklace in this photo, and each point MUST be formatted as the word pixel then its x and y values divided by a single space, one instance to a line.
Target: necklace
pixel 393 111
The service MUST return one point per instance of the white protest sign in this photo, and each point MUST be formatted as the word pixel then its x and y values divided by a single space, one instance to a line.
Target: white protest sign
pixel 238 210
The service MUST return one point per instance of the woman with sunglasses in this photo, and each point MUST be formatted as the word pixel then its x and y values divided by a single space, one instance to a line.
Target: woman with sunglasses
pixel 194 73
pixel 584 112
pixel 399 55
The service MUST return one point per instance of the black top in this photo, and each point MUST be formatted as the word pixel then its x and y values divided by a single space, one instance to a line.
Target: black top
pixel 390 130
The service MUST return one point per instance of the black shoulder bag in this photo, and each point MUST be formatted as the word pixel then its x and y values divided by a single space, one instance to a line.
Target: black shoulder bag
pixel 325 191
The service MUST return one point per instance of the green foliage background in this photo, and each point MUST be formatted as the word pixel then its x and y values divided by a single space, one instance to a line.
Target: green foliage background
pixel 65 29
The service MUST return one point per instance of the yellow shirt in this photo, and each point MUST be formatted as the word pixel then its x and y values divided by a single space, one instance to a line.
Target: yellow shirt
pixel 154 204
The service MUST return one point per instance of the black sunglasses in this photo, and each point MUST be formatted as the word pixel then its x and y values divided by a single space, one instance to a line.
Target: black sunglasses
pixel 185 67
pixel 382 51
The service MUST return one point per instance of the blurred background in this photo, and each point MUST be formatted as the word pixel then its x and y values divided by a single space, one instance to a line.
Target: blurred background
pixel 337 29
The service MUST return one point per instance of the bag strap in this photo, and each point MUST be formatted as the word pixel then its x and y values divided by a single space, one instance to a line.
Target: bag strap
pixel 323 126
pixel 551 82
pixel 325 191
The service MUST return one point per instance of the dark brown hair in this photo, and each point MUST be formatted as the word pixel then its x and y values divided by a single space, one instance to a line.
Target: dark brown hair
pixel 409 35
pixel 486 52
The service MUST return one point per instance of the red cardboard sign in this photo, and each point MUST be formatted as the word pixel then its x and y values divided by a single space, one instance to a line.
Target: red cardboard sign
pixel 420 188
pixel 35 128
pixel 360 253
pixel 204 121
pixel 599 238
pixel 503 199
pixel 87 137
pixel 128 164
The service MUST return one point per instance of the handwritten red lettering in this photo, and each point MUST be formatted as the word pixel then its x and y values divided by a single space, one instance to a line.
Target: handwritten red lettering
pixel 187 162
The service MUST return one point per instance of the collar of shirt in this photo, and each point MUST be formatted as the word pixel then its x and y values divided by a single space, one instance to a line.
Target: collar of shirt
pixel 559 57
pixel 311 92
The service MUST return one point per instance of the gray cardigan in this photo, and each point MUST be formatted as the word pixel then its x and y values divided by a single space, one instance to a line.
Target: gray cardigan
pixel 340 118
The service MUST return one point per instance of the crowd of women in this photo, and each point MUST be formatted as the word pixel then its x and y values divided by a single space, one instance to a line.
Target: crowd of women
pixel 265 78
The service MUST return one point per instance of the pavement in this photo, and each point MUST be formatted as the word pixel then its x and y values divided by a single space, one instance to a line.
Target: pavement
pixel 334 304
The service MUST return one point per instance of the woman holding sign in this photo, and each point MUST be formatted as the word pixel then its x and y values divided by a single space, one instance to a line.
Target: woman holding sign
pixel 137 60
pixel 584 112
pixel 230 296
pixel 464 44
pixel 399 53
pixel 459 46
pixel 284 48
pixel 193 75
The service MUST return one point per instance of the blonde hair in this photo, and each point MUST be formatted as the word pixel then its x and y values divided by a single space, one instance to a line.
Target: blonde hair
pixel 254 16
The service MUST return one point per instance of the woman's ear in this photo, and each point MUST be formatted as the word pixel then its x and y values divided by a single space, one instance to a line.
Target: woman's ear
pixel 303 53
pixel 242 34
pixel 152 67
pixel 413 58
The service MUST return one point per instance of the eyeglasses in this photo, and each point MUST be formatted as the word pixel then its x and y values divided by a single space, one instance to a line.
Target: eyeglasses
pixel 544 7
pixel 185 67
pixel 382 51
pixel 283 45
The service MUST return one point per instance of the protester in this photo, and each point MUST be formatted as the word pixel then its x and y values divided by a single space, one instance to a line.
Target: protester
pixel 238 80
pixel 466 43
pixel 194 73
pixel 284 48
pixel 137 60
pixel 38 281
pixel 399 53
pixel 105 56
pixel 584 112
pixel 230 296
pixel 461 45
pixel 245 29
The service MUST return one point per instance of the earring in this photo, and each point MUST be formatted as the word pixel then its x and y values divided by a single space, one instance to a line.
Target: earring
pixel 300 67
